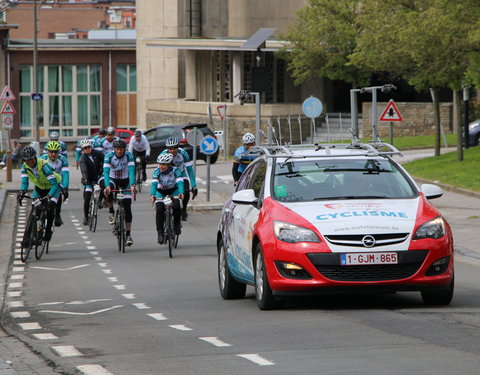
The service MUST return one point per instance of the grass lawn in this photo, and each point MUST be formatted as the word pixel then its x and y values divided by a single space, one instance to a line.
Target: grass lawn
pixel 423 141
pixel 446 169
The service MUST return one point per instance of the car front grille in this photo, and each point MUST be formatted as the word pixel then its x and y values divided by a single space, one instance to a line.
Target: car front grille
pixel 329 266
pixel 358 240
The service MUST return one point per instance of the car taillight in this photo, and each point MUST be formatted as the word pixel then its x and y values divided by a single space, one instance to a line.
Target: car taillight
pixel 183 140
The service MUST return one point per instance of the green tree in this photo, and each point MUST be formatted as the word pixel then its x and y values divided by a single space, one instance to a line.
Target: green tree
pixel 322 38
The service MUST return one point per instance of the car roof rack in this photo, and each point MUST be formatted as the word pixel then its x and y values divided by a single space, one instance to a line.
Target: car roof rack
pixel 374 147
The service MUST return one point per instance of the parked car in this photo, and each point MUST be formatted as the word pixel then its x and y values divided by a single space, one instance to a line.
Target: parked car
pixel 474 133
pixel 332 219
pixel 158 135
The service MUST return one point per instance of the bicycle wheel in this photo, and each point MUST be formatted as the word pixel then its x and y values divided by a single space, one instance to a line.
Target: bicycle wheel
pixel 121 231
pixel 94 217
pixel 169 232
pixel 29 236
pixel 175 243
pixel 139 178
pixel 40 244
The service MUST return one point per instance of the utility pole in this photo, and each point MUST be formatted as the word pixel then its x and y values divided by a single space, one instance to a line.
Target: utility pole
pixel 35 65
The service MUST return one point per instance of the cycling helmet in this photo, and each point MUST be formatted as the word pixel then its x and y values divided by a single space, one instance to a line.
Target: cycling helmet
pixel 53 146
pixel 172 142
pixel 119 143
pixel 248 138
pixel 165 158
pixel 28 152
pixel 111 130
pixel 102 131
pixel 54 136
pixel 85 143
pixel 138 133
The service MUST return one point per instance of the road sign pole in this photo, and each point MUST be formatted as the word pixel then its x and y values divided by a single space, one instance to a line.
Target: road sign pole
pixel 391 133
pixel 208 178
pixel 195 153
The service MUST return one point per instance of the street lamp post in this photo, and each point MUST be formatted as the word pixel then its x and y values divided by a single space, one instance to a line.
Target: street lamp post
pixel 35 64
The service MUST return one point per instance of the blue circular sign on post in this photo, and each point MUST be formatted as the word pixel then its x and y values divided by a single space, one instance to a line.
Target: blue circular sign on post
pixel 208 145
pixel 312 107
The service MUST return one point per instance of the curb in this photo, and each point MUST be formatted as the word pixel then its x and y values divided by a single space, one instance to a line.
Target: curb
pixel 451 188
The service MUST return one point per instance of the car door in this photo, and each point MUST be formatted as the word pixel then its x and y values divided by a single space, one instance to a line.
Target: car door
pixel 245 217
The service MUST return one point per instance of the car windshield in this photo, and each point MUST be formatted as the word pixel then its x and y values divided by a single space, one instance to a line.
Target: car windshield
pixel 312 179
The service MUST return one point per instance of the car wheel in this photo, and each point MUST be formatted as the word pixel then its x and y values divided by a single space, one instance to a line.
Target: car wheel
pixel 477 140
pixel 229 287
pixel 264 295
pixel 441 298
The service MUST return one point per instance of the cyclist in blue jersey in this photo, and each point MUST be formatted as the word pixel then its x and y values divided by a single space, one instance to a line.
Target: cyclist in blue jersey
pixel 119 172
pixel 166 180
pixel 59 164
pixel 240 159
pixel 182 161
pixel 54 136
pixel 46 182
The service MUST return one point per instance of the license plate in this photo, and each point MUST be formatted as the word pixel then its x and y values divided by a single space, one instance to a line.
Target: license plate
pixel 360 259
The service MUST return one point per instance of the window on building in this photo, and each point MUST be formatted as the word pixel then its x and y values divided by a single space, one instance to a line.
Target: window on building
pixel 126 94
pixel 71 101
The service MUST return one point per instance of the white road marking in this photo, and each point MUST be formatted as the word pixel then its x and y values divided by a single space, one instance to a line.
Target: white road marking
pixel 18 269
pixel 84 237
pixel 158 316
pixel 107 272
pixel 50 303
pixel 87 301
pixel 94 370
pixel 93 252
pixel 256 358
pixel 181 327
pixel 67 351
pixel 91 247
pixel 88 242
pixel 13 304
pixel 129 296
pixel 60 269
pixel 45 336
pixel 81 314
pixel 97 259
pixel 214 341
pixel 17 277
pixel 119 287
pixel 14 294
pixel 15 285
pixel 20 314
pixel 112 279
pixel 75 221
pixel 29 326
pixel 141 306
pixel 102 264
pixel 82 232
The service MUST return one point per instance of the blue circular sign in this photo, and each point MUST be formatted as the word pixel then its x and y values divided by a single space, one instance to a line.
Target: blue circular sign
pixel 312 107
pixel 208 145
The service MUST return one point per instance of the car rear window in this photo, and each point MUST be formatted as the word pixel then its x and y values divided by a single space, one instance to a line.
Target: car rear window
pixel 307 180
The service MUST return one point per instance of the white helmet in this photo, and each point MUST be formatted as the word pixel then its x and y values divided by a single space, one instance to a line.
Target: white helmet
pixel 248 138
pixel 85 143
pixel 166 158
pixel 54 136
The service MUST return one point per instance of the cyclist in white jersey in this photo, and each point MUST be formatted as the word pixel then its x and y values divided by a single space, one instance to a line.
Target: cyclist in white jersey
pixel 140 148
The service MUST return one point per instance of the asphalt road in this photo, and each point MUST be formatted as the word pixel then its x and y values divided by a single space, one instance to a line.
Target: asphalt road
pixel 89 309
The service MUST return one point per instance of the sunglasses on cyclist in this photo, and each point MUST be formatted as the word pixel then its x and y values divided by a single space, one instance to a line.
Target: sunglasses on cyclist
pixel 53 151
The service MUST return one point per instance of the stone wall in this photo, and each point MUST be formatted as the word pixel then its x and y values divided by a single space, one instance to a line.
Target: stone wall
pixel 418 119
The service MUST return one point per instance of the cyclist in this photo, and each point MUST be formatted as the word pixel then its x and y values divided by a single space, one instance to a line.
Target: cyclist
pixel 91 166
pixel 240 159
pixel 54 136
pixel 119 172
pixel 59 164
pixel 101 134
pixel 182 161
pixel 166 180
pixel 45 180
pixel 106 144
pixel 140 147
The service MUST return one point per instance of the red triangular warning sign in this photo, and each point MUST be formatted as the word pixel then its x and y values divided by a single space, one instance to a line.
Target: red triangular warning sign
pixel 7 94
pixel 8 108
pixel 391 112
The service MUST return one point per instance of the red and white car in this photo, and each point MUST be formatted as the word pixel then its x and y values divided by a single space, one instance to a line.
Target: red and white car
pixel 333 218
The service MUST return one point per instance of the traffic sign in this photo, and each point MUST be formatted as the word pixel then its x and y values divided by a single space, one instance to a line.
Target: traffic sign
pixel 8 108
pixel 391 112
pixel 37 96
pixel 7 94
pixel 191 137
pixel 312 107
pixel 221 111
pixel 7 121
pixel 208 145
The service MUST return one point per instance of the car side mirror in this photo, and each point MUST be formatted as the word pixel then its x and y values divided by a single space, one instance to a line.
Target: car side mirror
pixel 246 196
pixel 431 191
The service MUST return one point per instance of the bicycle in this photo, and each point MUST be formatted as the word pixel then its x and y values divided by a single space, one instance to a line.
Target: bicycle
pixel 93 208
pixel 119 227
pixel 35 229
pixel 169 229
pixel 139 172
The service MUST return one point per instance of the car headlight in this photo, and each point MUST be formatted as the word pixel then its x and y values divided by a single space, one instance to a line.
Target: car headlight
pixel 434 228
pixel 287 232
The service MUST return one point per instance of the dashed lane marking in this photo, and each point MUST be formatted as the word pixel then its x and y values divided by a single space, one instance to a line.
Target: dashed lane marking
pixel 79 313
pixel 30 326
pixel 181 327
pixel 158 316
pixel 67 351
pixel 93 370
pixel 256 358
pixel 60 269
pixel 45 336
pixel 20 314
pixel 141 306
pixel 214 341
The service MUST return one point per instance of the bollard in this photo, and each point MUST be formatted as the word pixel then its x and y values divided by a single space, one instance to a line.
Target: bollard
pixel 9 165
